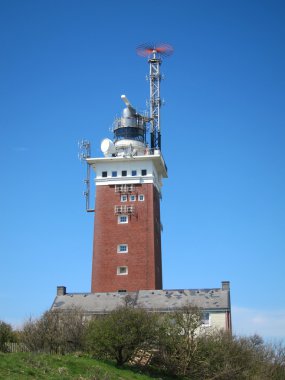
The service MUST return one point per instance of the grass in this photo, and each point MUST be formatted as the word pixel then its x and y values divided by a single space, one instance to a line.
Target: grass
pixel 26 366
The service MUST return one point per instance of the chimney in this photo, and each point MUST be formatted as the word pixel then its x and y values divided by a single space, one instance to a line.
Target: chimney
pixel 225 285
pixel 61 291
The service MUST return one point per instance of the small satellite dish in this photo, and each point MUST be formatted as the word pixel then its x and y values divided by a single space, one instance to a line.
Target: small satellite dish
pixel 107 147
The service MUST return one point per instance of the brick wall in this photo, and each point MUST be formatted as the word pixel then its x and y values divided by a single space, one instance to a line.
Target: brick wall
pixel 141 234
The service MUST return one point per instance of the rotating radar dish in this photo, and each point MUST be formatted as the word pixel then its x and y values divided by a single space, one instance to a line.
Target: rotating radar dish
pixel 163 49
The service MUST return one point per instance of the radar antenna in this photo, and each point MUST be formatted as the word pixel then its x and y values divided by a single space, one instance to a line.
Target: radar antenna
pixel 84 153
pixel 155 52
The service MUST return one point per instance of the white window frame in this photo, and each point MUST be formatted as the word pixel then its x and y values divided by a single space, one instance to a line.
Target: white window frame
pixel 120 248
pixel 134 198
pixel 141 198
pixel 124 198
pixel 119 271
pixel 121 216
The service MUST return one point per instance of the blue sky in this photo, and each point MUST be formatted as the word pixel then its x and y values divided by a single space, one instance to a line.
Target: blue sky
pixel 64 65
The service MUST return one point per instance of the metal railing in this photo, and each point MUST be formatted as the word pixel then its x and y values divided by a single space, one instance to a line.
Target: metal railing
pixel 128 210
pixel 124 189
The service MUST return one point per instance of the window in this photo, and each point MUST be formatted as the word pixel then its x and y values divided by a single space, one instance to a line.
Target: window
pixel 122 248
pixel 206 319
pixel 123 219
pixel 124 198
pixel 122 270
pixel 144 172
pixel 122 291
pixel 141 197
pixel 124 173
pixel 104 174
pixel 114 173
pixel 132 198
pixel 134 173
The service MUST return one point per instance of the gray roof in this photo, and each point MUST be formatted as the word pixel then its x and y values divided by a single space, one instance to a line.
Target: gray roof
pixel 153 300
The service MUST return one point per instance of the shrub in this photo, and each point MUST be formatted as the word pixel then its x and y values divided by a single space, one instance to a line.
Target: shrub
pixel 119 334
pixel 6 335
pixel 55 332
pixel 177 339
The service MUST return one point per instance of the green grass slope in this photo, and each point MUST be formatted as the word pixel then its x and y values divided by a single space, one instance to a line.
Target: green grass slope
pixel 22 366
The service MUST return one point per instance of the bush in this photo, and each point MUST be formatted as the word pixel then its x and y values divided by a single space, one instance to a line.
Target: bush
pixel 189 350
pixel 119 334
pixel 6 335
pixel 55 332
pixel 222 356
pixel 177 339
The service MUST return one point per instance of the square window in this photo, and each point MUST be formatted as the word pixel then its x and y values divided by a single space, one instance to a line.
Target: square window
pixel 124 173
pixel 114 173
pixel 124 198
pixel 122 248
pixel 134 173
pixel 144 172
pixel 104 174
pixel 122 270
pixel 122 219
pixel 132 198
pixel 141 197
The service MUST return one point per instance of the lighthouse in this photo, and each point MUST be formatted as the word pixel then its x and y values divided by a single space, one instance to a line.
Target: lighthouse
pixel 128 181
pixel 127 262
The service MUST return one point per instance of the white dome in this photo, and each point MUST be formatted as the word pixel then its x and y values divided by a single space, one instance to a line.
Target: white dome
pixel 107 147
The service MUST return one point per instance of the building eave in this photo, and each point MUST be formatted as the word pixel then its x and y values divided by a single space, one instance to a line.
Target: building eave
pixel 157 159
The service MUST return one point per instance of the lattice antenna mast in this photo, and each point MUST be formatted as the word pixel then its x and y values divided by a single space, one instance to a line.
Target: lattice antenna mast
pixel 84 153
pixel 155 101
pixel 155 52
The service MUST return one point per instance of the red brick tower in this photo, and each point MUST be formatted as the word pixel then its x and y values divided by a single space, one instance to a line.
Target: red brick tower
pixel 127 242
pixel 127 231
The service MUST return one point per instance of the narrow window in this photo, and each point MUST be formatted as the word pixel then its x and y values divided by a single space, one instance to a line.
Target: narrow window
pixel 134 173
pixel 141 197
pixel 122 248
pixel 122 271
pixel 122 291
pixel 144 172
pixel 206 319
pixel 132 198
pixel 122 219
pixel 114 173
pixel 124 198
pixel 124 173
pixel 104 174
